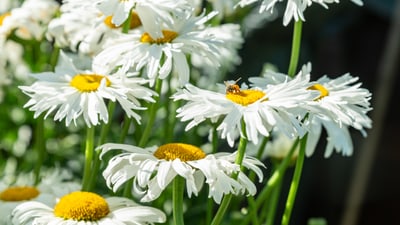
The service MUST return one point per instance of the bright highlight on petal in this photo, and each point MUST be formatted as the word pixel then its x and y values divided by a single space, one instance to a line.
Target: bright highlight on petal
pixel 169 36
pixel 245 97
pixel 318 87
pixel 14 194
pixel 82 205
pixel 88 82
pixel 184 152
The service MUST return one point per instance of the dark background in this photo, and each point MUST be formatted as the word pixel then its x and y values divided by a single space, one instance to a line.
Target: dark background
pixel 345 38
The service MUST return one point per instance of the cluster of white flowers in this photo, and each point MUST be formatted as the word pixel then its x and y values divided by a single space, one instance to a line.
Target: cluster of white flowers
pixel 129 46
pixel 295 106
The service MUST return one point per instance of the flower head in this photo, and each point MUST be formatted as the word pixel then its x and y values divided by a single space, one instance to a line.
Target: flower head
pixel 261 109
pixel 151 13
pixel 294 8
pixel 52 186
pixel 340 104
pixel 30 20
pixel 88 208
pixel 73 93
pixel 152 169
pixel 82 27
pixel 160 55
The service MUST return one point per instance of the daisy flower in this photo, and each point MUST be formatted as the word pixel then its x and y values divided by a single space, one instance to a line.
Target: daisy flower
pixel 341 104
pixel 52 185
pixel 152 169
pixel 151 13
pixel 73 94
pixel 30 20
pixel 87 208
pixel 160 55
pixel 82 27
pixel 294 8
pixel 261 109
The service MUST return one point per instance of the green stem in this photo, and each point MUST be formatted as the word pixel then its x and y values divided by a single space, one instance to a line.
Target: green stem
pixel 54 58
pixel 177 199
pixel 127 24
pixel 252 205
pixel 152 115
pixel 170 107
pixel 40 147
pixel 271 184
pixel 210 202
pixel 146 133
pixel 295 182
pixel 88 157
pixel 105 128
pixel 222 209
pixel 269 210
pixel 239 159
pixel 296 41
pixel 125 128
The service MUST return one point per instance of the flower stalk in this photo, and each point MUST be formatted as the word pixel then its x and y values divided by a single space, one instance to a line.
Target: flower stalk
pixel 295 182
pixel 89 152
pixel 239 159
pixel 296 42
pixel 177 199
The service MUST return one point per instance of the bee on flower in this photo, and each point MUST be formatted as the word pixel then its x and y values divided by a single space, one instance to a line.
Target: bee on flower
pixel 260 108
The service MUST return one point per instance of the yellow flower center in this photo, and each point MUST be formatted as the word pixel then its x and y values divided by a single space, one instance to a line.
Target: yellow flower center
pixel 169 36
pixel 88 82
pixel 322 90
pixel 245 97
pixel 184 152
pixel 15 194
pixel 3 16
pixel 81 205
pixel 135 21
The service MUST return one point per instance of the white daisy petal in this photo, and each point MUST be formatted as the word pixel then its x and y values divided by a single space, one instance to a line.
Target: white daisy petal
pixel 340 103
pixel 172 41
pixel 294 8
pixel 261 108
pixel 83 94
pixel 88 209
pixel 189 162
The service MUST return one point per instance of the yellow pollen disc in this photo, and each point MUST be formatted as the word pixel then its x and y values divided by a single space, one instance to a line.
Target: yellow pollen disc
pixel 3 16
pixel 135 21
pixel 107 21
pixel 184 152
pixel 169 36
pixel 88 82
pixel 82 206
pixel 322 90
pixel 14 194
pixel 245 97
